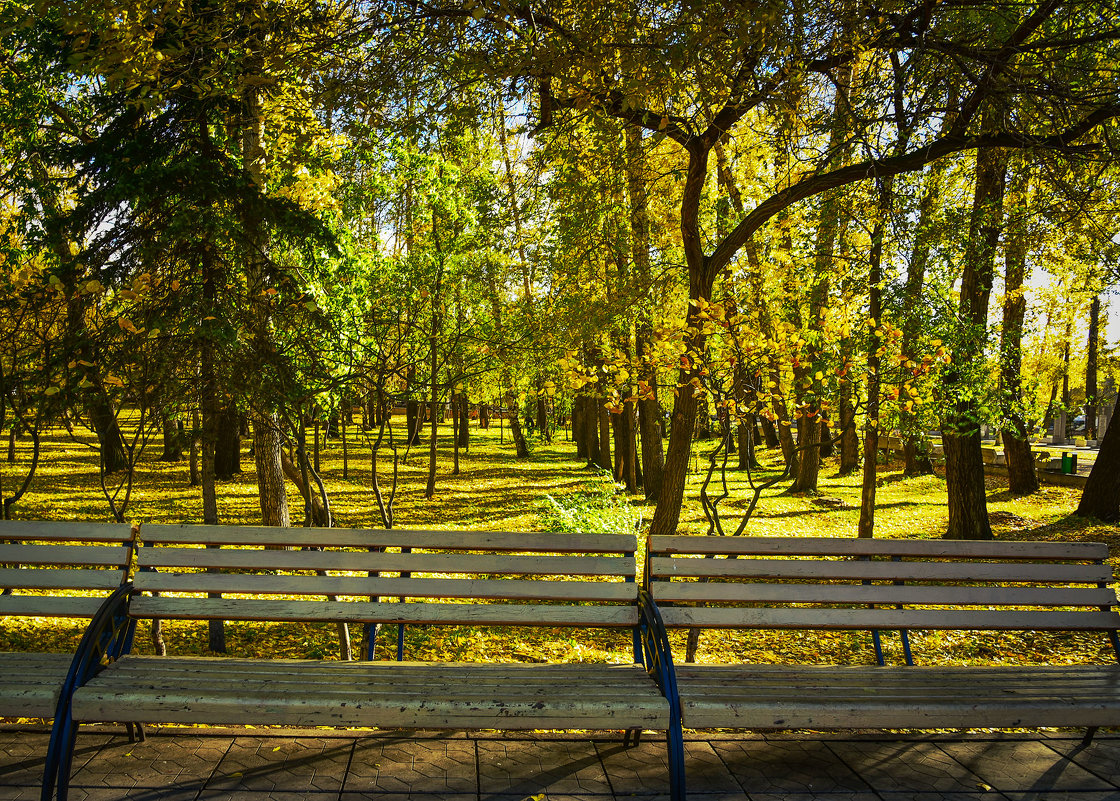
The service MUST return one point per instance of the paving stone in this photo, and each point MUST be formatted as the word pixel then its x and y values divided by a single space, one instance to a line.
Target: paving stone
pixel 23 753
pixel 1023 766
pixel 1102 757
pixel 519 768
pixel 403 765
pixel 180 760
pixel 787 766
pixel 644 769
pixel 910 767
pixel 282 764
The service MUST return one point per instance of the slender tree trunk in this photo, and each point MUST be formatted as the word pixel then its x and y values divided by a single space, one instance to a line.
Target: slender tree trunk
pixel 1091 369
pixel 874 313
pixel 1023 477
pixel 227 449
pixel 964 464
pixel 604 418
pixel 196 432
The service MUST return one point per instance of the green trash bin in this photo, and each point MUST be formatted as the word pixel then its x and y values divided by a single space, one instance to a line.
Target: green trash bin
pixel 1069 463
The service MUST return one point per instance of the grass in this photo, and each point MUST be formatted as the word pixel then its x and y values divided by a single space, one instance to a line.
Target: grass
pixel 554 491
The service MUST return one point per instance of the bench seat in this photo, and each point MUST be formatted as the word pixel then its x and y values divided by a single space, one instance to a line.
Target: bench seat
pixel 30 683
pixel 917 697
pixel 381 694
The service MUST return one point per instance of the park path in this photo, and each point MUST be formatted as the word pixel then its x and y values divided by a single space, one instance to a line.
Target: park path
pixel 319 765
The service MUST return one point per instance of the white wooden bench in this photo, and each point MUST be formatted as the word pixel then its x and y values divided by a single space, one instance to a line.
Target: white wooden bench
pixel 895 586
pixel 449 578
pixel 54 570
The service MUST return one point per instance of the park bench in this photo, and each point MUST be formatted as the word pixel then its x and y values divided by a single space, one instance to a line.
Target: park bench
pixel 54 570
pixel 378 577
pixel 880 586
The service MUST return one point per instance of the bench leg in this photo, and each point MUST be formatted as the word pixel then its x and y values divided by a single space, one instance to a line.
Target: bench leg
pixel 631 736
pixel 1088 738
pixel 675 740
pixel 136 732
pixel 60 760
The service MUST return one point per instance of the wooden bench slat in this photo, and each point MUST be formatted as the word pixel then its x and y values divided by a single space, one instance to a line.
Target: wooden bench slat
pixel 909 697
pixel 937 619
pixel 540 699
pixel 863 546
pixel 697 591
pixel 855 570
pixel 50 606
pixel 394 587
pixel 86 555
pixel 368 612
pixel 60 579
pixel 394 538
pixel 388 562
pixel 68 531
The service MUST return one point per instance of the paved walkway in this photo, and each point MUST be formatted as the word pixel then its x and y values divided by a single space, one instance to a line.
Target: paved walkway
pixel 256 764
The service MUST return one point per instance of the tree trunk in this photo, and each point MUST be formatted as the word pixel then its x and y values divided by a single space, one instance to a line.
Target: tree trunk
pixel 591 430
pixel 866 527
pixel 1091 369
pixel 109 437
pixel 603 418
pixel 520 445
pixel 1101 496
pixel 172 444
pixel 769 432
pixel 464 411
pixel 1023 476
pixel 227 450
pixel 196 432
pixel 964 464
pixel 542 420
pixel 268 441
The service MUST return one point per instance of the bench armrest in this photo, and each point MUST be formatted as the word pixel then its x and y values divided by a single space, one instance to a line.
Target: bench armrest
pixel 656 653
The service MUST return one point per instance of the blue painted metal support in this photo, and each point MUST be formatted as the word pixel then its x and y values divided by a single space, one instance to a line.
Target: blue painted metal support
pixel 876 640
pixel 658 662
pixel 108 637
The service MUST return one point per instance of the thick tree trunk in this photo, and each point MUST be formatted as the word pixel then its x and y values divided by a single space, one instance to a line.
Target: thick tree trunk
pixel 521 447
pixel 268 441
pixel 769 432
pixel 964 464
pixel 172 444
pixel 542 420
pixel 1101 496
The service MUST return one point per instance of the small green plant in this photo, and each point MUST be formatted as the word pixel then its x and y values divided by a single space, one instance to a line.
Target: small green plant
pixel 601 509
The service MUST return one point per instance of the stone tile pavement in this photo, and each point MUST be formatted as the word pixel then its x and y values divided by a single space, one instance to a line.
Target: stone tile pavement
pixel 185 764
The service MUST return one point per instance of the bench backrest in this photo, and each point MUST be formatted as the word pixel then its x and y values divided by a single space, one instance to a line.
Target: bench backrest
pixel 825 583
pixel 491 578
pixel 61 569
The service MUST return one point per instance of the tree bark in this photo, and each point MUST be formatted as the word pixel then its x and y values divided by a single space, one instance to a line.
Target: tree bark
pixel 227 449
pixel 964 464
pixel 1101 496
pixel 1091 369
pixel 172 444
